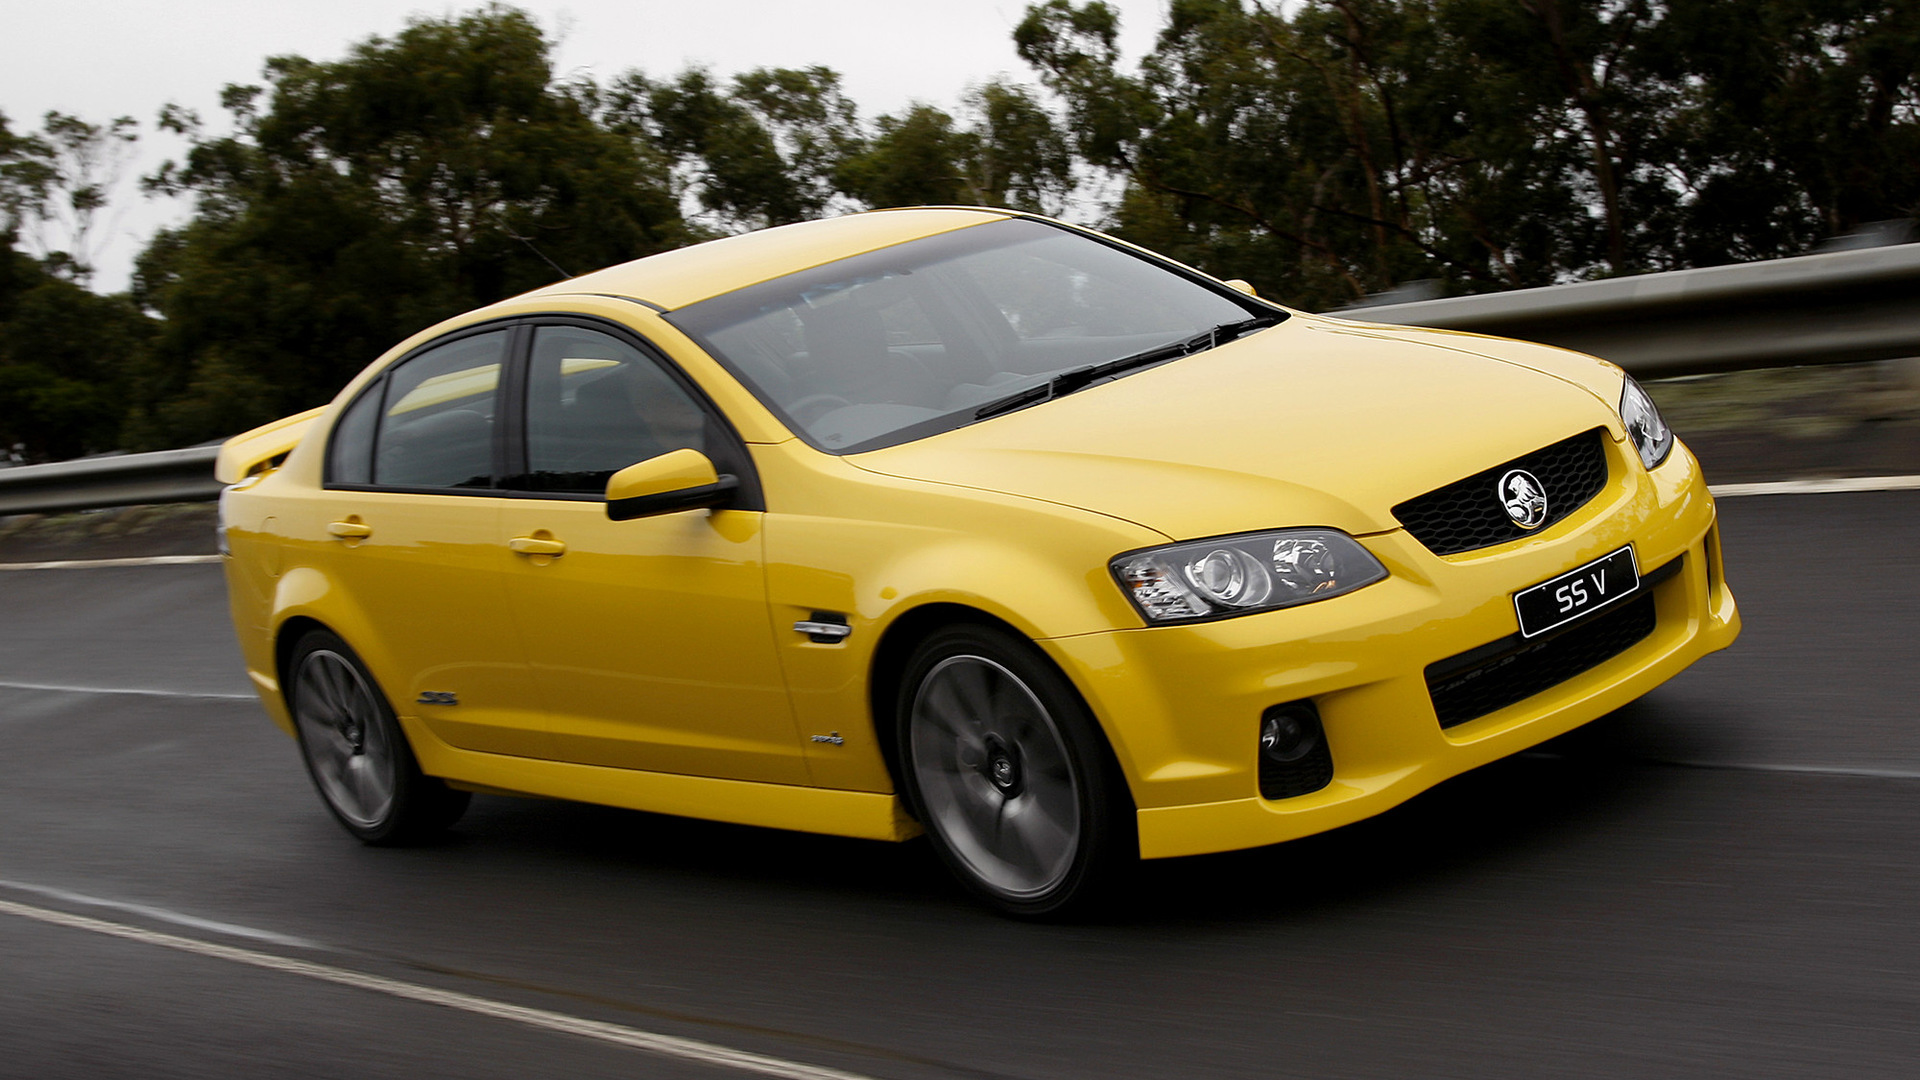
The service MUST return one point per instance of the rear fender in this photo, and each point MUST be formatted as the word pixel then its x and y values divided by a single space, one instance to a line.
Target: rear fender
pixel 262 448
pixel 306 592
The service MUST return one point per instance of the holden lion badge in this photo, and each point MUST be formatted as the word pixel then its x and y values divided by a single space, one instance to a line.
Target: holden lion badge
pixel 1525 500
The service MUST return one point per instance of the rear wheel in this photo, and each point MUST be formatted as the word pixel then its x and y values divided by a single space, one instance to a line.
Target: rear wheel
pixel 356 752
pixel 1010 774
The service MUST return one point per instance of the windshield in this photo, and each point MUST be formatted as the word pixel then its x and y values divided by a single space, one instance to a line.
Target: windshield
pixel 929 335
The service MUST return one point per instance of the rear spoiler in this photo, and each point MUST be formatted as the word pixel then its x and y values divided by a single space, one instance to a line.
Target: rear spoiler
pixel 262 448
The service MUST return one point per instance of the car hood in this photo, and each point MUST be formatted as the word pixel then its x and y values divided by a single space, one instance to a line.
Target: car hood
pixel 1316 421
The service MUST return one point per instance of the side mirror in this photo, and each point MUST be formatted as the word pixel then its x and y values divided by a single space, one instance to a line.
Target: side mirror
pixel 1243 285
pixel 674 481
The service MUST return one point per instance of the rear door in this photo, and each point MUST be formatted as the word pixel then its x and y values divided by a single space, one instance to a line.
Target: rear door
pixel 413 539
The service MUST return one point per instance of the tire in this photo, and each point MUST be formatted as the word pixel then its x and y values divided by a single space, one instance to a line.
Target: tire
pixel 1010 775
pixel 356 752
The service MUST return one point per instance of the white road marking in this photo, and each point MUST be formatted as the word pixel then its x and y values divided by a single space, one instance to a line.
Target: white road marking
pixel 664 1045
pixel 1810 770
pixel 1753 766
pixel 86 564
pixel 64 689
pixel 1818 487
pixel 163 915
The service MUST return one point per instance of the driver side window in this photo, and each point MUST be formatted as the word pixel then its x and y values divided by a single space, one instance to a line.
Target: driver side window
pixel 596 405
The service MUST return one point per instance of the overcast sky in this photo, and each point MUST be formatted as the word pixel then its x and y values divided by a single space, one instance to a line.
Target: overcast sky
pixel 104 58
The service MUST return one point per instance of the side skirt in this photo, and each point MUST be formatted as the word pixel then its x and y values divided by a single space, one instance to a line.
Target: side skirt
pixel 864 815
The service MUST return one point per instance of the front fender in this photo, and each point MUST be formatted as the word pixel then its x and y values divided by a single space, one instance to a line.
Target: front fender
pixel 873 550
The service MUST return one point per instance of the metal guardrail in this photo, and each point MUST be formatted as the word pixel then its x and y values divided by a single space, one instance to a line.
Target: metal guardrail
pixel 165 476
pixel 1836 308
pixel 1839 307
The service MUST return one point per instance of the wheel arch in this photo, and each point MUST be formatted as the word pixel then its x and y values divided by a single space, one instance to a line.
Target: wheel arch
pixel 285 638
pixel 906 632
pixel 307 598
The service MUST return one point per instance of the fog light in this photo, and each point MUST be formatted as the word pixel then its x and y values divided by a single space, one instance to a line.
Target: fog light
pixel 1289 733
pixel 1294 757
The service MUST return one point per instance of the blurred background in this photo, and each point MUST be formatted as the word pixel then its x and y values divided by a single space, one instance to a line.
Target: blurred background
pixel 213 214
pixel 204 253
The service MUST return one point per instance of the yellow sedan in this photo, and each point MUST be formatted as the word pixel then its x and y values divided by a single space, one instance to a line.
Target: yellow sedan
pixel 959 521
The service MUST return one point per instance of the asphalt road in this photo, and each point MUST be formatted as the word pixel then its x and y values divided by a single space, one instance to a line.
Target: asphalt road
pixel 1722 879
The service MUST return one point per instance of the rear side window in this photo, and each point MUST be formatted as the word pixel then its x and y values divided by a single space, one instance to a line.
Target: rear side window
pixel 437 417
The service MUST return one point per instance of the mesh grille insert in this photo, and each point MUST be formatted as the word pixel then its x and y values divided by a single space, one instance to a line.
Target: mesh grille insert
pixel 1468 514
pixel 1500 681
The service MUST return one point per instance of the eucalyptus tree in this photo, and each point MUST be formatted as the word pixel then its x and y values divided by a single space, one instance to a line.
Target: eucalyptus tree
pixel 356 201
pixel 66 354
pixel 56 183
pixel 1337 147
pixel 1325 153
pixel 1803 121
pixel 761 150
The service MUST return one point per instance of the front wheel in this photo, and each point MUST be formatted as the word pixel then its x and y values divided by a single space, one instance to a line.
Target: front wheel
pixel 1010 774
pixel 355 751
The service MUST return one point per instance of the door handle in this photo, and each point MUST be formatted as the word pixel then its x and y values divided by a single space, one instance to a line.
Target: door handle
pixel 349 530
pixel 536 545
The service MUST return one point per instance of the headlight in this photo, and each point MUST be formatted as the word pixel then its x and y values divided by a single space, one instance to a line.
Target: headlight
pixel 1236 575
pixel 1650 434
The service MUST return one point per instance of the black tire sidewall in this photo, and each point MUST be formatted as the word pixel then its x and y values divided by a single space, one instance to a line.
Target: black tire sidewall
pixel 1108 839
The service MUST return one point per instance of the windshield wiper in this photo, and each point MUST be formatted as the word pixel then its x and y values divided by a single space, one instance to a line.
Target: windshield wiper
pixel 1078 378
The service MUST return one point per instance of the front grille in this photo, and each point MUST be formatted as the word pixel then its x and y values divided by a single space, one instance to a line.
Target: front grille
pixel 1462 693
pixel 1468 514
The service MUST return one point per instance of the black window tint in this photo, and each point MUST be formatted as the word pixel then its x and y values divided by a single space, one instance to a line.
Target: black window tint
pixel 596 405
pixel 437 428
pixel 350 454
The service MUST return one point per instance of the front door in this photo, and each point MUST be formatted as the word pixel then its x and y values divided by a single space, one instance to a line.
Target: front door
pixel 650 640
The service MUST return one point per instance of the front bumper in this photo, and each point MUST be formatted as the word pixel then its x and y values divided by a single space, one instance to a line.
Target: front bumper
pixel 1182 704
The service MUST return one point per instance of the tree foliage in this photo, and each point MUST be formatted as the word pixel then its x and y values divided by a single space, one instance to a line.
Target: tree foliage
pixel 1323 149
pixel 55 183
pixel 1346 146
pixel 760 152
pixel 67 355
pixel 359 200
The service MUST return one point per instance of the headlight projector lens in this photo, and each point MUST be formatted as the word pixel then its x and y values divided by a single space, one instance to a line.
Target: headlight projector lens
pixel 1232 575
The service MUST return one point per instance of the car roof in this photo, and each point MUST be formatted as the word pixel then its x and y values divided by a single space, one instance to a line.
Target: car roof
pixel 674 279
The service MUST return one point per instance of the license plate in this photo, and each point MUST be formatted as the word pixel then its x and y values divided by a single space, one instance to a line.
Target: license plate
pixel 1561 600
